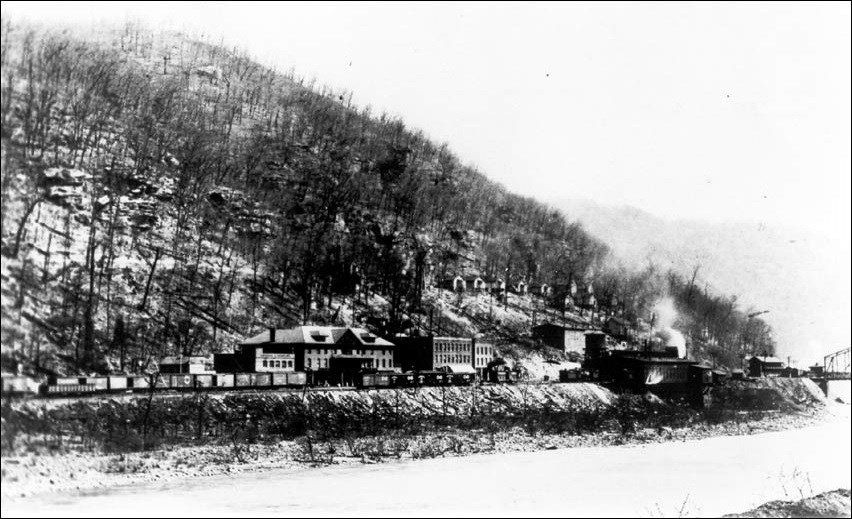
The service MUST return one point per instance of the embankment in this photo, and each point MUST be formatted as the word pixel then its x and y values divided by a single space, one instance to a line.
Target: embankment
pixel 106 442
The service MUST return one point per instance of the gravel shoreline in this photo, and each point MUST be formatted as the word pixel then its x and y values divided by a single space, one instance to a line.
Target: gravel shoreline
pixel 31 475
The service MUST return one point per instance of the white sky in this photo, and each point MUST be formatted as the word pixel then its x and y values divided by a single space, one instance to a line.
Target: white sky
pixel 695 111
pixel 701 111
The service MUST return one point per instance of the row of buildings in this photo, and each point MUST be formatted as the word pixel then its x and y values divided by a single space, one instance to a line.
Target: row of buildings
pixel 770 366
pixel 337 354
pixel 573 338
pixel 567 295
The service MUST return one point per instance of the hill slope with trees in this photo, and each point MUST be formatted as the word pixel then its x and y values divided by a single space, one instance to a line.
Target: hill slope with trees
pixel 164 195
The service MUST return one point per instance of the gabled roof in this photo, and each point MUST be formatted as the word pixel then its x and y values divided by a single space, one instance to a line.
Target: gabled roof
pixel 768 359
pixel 282 335
pixel 320 334
pixel 368 339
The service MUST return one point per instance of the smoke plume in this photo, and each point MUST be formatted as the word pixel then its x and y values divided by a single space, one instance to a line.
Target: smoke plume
pixel 666 315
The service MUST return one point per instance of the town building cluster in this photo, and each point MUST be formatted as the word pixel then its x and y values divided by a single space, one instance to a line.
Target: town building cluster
pixel 336 355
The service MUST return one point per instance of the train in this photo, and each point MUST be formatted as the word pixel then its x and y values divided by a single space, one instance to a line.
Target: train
pixel 79 386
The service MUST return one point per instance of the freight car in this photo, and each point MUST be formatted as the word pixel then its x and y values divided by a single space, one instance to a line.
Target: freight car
pixel 413 379
pixel 14 385
pixel 71 386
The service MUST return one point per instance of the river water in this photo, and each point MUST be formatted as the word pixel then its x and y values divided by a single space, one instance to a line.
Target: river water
pixel 696 478
pixel 840 389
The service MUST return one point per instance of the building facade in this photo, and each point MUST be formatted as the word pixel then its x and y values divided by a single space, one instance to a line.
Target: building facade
pixel 765 366
pixel 186 364
pixel 569 339
pixel 483 354
pixel 433 353
pixel 310 348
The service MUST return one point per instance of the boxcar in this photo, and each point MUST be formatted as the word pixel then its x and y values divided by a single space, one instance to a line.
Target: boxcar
pixel 225 380
pixel 461 379
pixel 139 382
pixel 118 382
pixel 297 378
pixel 203 380
pixel 100 383
pixel 261 379
pixel 368 380
pixel 181 381
pixel 401 380
pixel 242 380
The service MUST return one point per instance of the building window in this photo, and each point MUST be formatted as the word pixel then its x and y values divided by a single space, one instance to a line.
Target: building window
pixel 308 362
pixel 264 364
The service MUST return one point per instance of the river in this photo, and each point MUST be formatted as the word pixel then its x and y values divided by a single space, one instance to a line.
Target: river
pixel 696 478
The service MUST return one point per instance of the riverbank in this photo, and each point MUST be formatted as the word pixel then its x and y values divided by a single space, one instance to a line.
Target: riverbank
pixel 103 443
pixel 33 474
pixel 706 477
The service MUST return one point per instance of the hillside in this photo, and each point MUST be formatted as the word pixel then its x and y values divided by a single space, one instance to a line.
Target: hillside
pixel 785 271
pixel 164 195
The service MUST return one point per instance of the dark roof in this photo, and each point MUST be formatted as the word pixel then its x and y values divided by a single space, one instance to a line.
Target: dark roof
pixel 619 320
pixel 768 359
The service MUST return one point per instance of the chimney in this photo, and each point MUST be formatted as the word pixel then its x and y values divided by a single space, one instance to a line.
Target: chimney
pixel 272 335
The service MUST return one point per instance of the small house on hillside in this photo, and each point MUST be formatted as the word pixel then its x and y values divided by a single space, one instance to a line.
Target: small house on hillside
pixel 618 328
pixel 456 284
pixel 495 284
pixel 542 290
pixel 765 366
pixel 520 288
pixel 474 283
pixel 585 300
